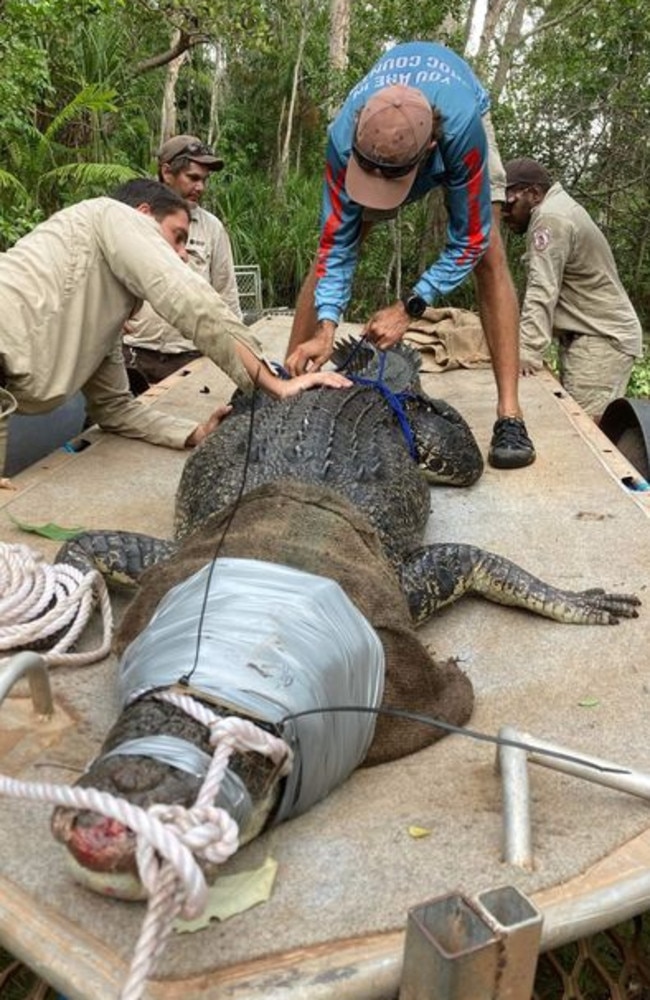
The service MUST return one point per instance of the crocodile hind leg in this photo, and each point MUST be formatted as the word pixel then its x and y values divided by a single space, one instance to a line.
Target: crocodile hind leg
pixel 437 575
pixel 120 556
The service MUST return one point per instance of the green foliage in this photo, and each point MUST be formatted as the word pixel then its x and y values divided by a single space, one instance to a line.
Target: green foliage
pixel 56 123
pixel 639 384
pixel 18 221
pixel 278 231
pixel 78 115
pixel 577 101
pixel 39 179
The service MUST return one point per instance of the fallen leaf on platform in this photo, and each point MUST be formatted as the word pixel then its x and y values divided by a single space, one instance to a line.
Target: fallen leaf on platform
pixel 233 894
pixel 53 531
pixel 417 832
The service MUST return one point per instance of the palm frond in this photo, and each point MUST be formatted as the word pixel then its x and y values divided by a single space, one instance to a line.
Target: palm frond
pixel 84 176
pixel 8 182
pixel 93 97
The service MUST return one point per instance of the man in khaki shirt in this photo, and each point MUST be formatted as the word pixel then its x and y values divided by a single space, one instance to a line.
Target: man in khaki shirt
pixel 573 291
pixel 153 347
pixel 68 286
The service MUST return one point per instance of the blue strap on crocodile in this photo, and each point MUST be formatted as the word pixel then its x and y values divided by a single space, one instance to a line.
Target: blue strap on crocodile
pixel 280 370
pixel 394 399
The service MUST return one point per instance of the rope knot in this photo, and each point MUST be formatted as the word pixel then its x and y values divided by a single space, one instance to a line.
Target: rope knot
pixel 242 734
pixel 207 831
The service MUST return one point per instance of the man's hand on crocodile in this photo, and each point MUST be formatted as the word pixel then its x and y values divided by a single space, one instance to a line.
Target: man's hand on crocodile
pixel 314 352
pixel 211 424
pixel 387 326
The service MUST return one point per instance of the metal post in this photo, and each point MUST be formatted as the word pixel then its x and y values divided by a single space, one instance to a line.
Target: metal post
pixel 512 763
pixel 518 925
pixel 513 766
pixel 32 665
pixel 450 952
pixel 596 769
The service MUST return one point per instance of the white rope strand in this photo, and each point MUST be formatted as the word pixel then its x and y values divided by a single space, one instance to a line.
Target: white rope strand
pixel 240 733
pixel 210 831
pixel 39 600
pixel 170 837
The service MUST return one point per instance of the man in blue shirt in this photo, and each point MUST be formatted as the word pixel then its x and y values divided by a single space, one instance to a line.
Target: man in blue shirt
pixel 418 120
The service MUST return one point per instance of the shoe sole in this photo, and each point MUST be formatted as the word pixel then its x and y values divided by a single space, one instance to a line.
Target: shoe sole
pixel 512 461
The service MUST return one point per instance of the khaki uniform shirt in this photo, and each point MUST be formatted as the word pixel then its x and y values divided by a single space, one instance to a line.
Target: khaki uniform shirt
pixel 573 284
pixel 65 291
pixel 210 255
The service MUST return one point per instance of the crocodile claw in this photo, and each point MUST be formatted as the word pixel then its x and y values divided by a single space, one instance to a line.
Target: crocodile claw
pixel 602 608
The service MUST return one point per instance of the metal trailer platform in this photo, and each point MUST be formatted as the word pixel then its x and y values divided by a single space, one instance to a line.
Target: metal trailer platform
pixel 349 870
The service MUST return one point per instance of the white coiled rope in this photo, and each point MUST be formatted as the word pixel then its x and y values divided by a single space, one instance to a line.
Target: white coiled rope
pixel 169 837
pixel 39 600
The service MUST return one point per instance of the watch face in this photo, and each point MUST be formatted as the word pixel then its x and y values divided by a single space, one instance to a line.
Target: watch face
pixel 414 305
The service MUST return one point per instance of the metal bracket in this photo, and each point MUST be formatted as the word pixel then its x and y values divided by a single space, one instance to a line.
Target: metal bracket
pixel 33 666
pixel 512 762
pixel 458 948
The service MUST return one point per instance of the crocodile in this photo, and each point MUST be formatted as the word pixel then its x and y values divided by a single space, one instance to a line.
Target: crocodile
pixel 332 485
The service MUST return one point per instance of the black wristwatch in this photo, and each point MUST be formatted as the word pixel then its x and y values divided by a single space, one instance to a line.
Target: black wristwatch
pixel 414 304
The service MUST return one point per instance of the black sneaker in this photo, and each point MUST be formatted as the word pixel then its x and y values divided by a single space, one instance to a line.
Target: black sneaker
pixel 510 448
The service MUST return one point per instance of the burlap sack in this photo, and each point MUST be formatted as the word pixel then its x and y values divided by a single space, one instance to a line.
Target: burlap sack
pixel 315 530
pixel 449 338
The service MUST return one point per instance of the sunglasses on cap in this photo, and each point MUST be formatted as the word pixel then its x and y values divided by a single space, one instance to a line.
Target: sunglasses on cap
pixel 195 149
pixel 388 170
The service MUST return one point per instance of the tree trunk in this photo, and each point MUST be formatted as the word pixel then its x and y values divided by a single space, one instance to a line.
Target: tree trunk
pixel 488 34
pixel 339 42
pixel 469 34
pixel 511 40
pixel 217 76
pixel 339 34
pixel 283 165
pixel 169 111
pixel 435 229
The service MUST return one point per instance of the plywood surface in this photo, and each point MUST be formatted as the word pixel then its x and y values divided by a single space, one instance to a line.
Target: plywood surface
pixel 349 870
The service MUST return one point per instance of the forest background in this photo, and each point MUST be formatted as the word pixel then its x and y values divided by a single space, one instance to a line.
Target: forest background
pixel 89 88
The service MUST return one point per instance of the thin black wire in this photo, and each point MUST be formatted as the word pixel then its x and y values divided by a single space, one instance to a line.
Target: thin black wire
pixel 399 713
pixel 185 678
pixel 449 727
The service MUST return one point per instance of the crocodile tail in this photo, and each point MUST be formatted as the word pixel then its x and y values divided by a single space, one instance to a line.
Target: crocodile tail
pixel 401 364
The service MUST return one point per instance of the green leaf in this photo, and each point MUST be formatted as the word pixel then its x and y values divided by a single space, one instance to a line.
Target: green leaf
pixel 53 531
pixel 233 894
pixel 589 702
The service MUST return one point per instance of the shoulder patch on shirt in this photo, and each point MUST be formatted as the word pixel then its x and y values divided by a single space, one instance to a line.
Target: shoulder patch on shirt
pixel 541 238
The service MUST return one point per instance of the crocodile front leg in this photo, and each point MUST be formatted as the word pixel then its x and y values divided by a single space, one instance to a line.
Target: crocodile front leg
pixel 436 575
pixel 120 556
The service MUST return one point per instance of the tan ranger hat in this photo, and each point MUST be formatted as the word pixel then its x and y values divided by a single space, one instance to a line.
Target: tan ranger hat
pixel 192 147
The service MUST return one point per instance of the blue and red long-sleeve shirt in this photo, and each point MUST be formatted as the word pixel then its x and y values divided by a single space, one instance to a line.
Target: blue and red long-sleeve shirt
pixel 458 163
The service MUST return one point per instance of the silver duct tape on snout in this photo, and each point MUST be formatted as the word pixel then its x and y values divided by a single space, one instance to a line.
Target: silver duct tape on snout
pixel 274 641
pixel 179 753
